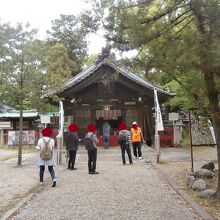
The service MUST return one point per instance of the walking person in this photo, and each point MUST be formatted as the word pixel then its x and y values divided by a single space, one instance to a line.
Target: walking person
pixel 72 141
pixel 92 148
pixel 137 138
pixel 46 156
pixel 124 140
pixel 106 129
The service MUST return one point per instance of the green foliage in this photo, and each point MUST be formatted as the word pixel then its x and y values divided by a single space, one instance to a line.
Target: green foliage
pixel 59 67
pixel 68 32
pixel 16 63
pixel 176 40
pixel 21 67
pixel 92 58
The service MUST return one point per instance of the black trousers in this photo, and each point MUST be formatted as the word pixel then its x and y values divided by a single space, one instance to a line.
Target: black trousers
pixel 92 157
pixel 126 148
pixel 72 158
pixel 137 149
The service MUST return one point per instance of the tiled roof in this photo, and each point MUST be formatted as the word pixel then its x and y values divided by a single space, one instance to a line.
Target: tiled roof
pixel 26 114
pixel 5 107
pixel 96 65
pixel 16 114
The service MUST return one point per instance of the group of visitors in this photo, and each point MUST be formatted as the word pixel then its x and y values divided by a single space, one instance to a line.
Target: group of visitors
pixel 72 141
pixel 47 157
pixel 126 139
pixel 132 138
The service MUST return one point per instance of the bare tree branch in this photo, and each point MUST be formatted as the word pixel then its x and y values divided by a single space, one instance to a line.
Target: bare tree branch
pixel 167 11
pixel 141 4
pixel 185 25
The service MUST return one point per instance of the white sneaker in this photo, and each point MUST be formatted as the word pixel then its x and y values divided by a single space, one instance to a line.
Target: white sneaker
pixel 140 158
pixel 134 157
pixel 41 184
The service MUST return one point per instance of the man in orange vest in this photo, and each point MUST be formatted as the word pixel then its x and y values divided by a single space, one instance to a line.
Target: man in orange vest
pixel 136 138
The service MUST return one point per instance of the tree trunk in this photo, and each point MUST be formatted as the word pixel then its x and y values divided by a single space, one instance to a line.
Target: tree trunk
pixel 20 134
pixel 214 112
pixel 213 109
pixel 21 116
pixel 216 125
pixel 207 63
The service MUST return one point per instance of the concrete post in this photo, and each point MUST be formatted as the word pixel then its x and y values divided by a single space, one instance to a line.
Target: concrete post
pixel 157 147
pixel 59 150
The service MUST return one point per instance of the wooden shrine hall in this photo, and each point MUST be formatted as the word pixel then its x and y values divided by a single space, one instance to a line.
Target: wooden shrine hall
pixel 107 91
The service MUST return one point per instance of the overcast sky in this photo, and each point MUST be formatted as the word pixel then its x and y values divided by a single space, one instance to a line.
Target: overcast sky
pixel 39 14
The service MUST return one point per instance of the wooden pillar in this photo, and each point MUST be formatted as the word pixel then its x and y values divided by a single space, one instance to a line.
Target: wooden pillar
pixel 69 120
pixel 74 112
pixel 30 124
pixel 144 122
pixel 93 118
pixel 140 114
pixel 123 115
pixel 2 138
pixel 14 123
pixel 148 130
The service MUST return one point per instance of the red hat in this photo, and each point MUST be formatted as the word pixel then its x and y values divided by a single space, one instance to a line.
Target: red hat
pixel 73 127
pixel 91 128
pixel 134 126
pixel 122 126
pixel 47 132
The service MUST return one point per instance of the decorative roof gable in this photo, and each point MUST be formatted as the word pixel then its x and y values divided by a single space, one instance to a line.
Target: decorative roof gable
pixel 108 62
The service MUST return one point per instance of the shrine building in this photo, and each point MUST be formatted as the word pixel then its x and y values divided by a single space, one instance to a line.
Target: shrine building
pixel 107 91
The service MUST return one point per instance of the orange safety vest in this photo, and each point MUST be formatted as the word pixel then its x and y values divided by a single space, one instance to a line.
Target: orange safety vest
pixel 136 134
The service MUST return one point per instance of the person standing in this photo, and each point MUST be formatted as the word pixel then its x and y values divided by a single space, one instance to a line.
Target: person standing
pixel 137 139
pixel 46 156
pixel 72 141
pixel 124 139
pixel 106 129
pixel 92 153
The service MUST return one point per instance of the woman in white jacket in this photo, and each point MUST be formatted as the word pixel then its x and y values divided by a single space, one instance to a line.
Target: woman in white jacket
pixel 50 161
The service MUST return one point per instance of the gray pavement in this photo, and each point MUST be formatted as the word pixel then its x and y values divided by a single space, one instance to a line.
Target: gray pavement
pixel 136 191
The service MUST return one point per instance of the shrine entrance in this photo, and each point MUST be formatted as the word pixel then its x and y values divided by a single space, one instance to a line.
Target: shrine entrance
pixel 114 118
pixel 105 91
pixel 114 131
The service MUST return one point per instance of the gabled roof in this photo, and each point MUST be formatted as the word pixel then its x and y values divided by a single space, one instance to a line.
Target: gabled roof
pixel 16 114
pixel 32 113
pixel 5 107
pixel 105 61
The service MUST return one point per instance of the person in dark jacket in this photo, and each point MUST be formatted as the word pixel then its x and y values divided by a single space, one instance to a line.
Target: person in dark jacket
pixel 125 146
pixel 72 141
pixel 92 154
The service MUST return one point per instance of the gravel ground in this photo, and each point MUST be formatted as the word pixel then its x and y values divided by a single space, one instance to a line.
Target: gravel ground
pixel 118 192
pixel 16 182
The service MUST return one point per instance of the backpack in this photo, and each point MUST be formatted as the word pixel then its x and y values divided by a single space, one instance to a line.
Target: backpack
pixel 46 153
pixel 88 142
pixel 122 138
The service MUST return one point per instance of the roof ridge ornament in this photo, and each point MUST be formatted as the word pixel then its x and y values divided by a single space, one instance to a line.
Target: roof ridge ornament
pixel 105 53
